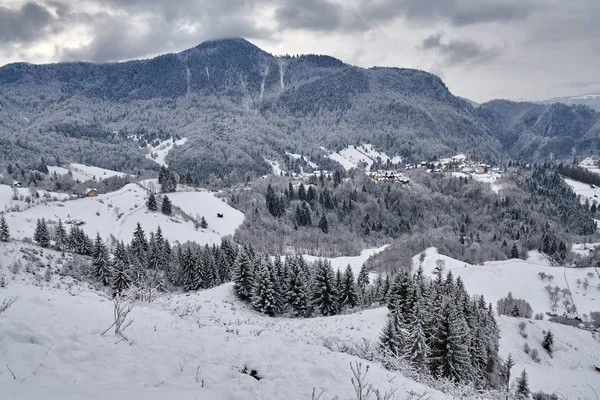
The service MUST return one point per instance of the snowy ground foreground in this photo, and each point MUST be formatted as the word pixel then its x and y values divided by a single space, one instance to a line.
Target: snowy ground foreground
pixel 351 156
pixel 117 214
pixel 159 153
pixel 185 346
pixel 85 173
pixel 7 193
pixel 584 190
pixel 490 177
pixel 356 262
pixel 494 279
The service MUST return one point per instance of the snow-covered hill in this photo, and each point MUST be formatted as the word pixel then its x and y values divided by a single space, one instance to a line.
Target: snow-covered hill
pixel 85 173
pixel 23 198
pixel 196 346
pixel 159 153
pixel 591 100
pixel 362 157
pixel 117 214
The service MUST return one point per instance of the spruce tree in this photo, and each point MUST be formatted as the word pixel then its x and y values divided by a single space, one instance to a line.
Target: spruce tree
pixel 203 223
pixel 522 391
pixel 166 206
pixel 102 269
pixel 40 234
pixel 349 295
pixel 548 342
pixel 152 206
pixel 4 231
pixel 514 251
pixel 416 349
pixel 121 279
pixel 243 276
pixel 323 224
pixel 298 292
pixel 390 339
pixel 61 242
pixel 324 293
pixel 362 282
pixel 264 295
pixel 189 273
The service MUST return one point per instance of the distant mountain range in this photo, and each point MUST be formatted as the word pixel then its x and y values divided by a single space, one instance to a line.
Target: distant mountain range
pixel 592 100
pixel 237 105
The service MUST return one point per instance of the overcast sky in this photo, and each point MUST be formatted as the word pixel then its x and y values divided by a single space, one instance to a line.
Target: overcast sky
pixel 482 49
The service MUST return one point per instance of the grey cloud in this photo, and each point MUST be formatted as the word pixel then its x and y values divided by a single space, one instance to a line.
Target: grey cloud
pixel 30 22
pixel 317 15
pixel 459 51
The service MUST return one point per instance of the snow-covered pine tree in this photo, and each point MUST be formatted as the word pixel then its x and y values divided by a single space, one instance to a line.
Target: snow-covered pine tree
pixel 101 262
pixel 120 270
pixel 514 251
pixel 522 391
pixel 450 352
pixel 392 339
pixel 243 275
pixel 203 223
pixel 324 293
pixel 548 342
pixel 4 231
pixel 40 235
pixel 323 224
pixel 338 285
pixel 166 207
pixel 61 241
pixel 139 245
pixel 152 206
pixel 297 290
pixel 349 295
pixel 188 270
pixel 264 295
pixel 362 281
pixel 209 269
pixel 416 349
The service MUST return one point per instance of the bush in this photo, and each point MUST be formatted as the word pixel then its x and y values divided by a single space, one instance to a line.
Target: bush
pixel 535 355
pixel 544 396
pixel 539 316
pixel 526 348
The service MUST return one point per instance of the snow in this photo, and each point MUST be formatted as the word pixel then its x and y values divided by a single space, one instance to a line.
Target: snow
pixel 494 279
pixel 352 156
pixel 490 177
pixel 356 262
pixel 185 346
pixel 84 173
pixel 7 194
pixel 275 167
pixel 159 153
pixel 117 214
pixel 297 156
pixel 584 190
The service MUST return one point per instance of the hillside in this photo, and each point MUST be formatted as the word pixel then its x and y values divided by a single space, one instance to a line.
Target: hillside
pixel 592 100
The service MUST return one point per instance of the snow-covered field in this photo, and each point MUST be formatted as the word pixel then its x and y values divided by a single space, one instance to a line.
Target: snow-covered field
pixel 185 346
pixel 85 173
pixel 355 262
pixel 117 214
pixel 490 177
pixel 7 194
pixel 584 190
pixel 159 153
pixel 494 279
pixel 352 156
pixel 297 156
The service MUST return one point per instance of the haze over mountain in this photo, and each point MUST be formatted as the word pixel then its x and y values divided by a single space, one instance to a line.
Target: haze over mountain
pixel 238 104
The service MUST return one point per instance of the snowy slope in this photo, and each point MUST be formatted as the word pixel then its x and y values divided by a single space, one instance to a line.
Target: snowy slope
pixel 355 262
pixel 490 177
pixel 192 347
pixel 159 153
pixel 494 279
pixel 84 173
pixel 352 156
pixel 584 190
pixel 7 193
pixel 117 214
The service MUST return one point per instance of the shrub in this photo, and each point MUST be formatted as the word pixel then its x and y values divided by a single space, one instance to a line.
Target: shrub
pixel 526 348
pixel 544 396
pixel 535 355
pixel 539 316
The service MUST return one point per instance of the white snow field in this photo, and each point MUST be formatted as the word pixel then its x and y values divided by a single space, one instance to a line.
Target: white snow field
pixel 159 153
pixel 494 279
pixel 490 177
pixel 184 346
pixel 356 262
pixel 584 190
pixel 85 173
pixel 7 194
pixel 352 156
pixel 117 214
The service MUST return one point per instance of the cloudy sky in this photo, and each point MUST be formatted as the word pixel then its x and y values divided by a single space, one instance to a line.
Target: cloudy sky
pixel 482 49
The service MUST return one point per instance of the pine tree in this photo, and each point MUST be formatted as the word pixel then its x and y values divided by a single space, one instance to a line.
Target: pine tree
pixel 522 386
pixel 301 192
pixel 40 234
pixel 203 223
pixel 324 293
pixel 190 276
pixel 166 206
pixel 510 363
pixel 243 276
pixel 298 293
pixel 349 295
pixel 514 251
pixel 390 339
pixel 273 203
pixel 121 279
pixel 102 269
pixel 362 282
pixel 4 231
pixel 60 237
pixel 323 224
pixel 264 295
pixel 548 342
pixel 417 350
pixel 139 244
pixel 152 206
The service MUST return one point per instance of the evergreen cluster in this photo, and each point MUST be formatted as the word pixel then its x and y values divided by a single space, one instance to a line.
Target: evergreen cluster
pixel 514 307
pixel 167 180
pixel 437 327
pixel 4 231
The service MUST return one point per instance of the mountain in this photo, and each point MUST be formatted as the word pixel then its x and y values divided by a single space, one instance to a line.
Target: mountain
pixel 592 100
pixel 531 131
pixel 238 105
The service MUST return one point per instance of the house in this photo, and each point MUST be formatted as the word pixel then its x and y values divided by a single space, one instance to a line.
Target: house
pixel 17 184
pixel 91 192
